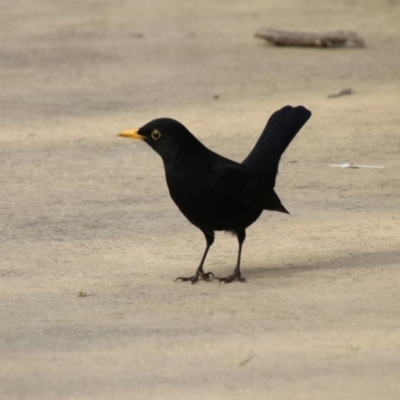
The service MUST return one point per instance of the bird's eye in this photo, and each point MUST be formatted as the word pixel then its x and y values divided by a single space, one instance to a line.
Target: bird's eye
pixel 155 135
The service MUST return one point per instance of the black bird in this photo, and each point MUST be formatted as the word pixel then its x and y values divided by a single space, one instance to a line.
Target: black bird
pixel 215 193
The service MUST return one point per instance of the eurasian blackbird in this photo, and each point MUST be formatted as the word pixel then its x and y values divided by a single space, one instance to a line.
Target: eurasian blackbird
pixel 215 193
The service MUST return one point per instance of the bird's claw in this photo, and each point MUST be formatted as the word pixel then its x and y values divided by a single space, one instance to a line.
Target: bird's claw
pixel 205 276
pixel 231 278
pixel 192 279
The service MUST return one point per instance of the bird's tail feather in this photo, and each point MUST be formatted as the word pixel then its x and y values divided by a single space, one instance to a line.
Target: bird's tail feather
pixel 280 130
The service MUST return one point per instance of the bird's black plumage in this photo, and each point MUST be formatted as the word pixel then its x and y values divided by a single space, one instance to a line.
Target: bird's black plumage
pixel 215 193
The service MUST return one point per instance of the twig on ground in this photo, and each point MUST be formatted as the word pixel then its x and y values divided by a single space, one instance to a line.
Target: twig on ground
pixel 309 39
pixel 343 92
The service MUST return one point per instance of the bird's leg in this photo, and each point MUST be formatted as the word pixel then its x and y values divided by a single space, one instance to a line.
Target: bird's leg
pixel 205 276
pixel 236 276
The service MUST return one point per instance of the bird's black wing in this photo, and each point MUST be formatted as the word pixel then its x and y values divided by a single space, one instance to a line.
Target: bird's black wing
pixel 248 187
pixel 280 130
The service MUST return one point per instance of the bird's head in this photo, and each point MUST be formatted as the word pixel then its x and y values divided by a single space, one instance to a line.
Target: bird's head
pixel 166 136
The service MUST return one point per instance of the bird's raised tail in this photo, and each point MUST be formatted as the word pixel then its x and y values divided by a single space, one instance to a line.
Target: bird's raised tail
pixel 280 130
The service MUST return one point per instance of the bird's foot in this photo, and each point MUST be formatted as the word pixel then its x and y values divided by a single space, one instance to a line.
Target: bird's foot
pixel 205 276
pixel 236 276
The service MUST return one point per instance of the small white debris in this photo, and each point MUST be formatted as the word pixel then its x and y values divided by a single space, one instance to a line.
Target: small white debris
pixel 350 165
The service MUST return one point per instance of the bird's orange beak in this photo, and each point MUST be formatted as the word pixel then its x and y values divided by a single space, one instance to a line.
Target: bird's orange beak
pixel 131 134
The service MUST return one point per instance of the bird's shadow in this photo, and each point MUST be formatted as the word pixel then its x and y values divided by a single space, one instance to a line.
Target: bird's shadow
pixel 360 260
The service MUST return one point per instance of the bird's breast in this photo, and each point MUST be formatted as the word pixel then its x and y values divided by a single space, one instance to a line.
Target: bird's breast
pixel 205 203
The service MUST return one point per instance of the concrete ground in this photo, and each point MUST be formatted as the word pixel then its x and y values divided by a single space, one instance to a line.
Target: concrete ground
pixel 84 211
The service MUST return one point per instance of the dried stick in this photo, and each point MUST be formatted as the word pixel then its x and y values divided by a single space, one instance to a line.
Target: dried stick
pixel 308 39
pixel 343 92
